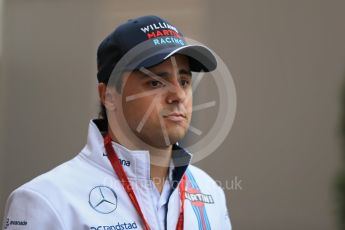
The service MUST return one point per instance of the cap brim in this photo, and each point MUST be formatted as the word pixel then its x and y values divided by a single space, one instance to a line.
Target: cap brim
pixel 200 57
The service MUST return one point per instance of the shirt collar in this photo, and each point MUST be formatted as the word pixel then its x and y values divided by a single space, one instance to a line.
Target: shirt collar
pixel 136 163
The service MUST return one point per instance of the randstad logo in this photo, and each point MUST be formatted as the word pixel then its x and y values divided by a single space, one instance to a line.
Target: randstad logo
pixel 117 227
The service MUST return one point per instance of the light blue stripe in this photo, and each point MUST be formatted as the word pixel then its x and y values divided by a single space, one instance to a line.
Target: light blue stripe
pixel 196 209
pixel 198 216
pixel 191 178
pixel 208 227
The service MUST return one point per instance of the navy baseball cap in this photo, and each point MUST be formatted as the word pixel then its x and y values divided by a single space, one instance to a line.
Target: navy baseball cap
pixel 160 40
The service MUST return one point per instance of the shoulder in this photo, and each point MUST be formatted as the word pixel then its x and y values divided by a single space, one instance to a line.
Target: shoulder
pixel 203 188
pixel 201 180
pixel 56 177
pixel 28 208
pixel 201 175
pixel 37 204
pixel 51 186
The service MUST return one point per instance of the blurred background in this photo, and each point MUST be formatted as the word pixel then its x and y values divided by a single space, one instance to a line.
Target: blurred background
pixel 287 59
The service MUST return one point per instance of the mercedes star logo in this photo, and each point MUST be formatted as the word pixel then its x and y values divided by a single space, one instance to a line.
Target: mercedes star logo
pixel 103 199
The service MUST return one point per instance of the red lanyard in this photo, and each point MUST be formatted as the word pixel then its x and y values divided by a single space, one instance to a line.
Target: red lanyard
pixel 114 160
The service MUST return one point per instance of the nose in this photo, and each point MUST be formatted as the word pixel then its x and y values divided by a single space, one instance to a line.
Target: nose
pixel 176 93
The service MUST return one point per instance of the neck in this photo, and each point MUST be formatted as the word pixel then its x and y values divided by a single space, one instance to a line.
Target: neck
pixel 159 160
pixel 159 167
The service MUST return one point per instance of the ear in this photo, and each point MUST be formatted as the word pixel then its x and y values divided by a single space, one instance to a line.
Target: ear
pixel 101 92
pixel 107 96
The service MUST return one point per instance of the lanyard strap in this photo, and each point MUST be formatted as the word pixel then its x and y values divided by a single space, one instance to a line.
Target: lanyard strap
pixel 182 190
pixel 114 160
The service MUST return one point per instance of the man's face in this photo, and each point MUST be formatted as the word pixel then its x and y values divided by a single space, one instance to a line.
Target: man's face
pixel 157 102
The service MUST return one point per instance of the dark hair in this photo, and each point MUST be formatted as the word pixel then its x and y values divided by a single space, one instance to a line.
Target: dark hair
pixel 102 114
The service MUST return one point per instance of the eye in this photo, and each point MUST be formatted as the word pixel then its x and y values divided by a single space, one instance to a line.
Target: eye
pixel 155 84
pixel 185 82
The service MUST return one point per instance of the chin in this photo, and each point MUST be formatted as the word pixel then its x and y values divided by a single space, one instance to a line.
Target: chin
pixel 155 136
pixel 158 140
pixel 176 136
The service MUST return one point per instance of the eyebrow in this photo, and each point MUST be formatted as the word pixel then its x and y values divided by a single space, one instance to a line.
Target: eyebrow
pixel 167 74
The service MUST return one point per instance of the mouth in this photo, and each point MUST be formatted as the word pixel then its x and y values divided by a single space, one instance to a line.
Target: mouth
pixel 175 116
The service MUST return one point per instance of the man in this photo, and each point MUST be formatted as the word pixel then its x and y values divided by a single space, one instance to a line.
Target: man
pixel 132 174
